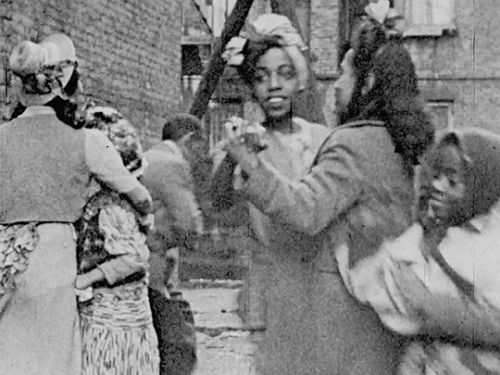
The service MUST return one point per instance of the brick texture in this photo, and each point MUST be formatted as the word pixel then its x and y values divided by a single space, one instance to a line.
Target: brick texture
pixel 129 52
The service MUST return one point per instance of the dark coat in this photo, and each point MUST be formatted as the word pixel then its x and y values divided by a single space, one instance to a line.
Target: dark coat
pixel 357 193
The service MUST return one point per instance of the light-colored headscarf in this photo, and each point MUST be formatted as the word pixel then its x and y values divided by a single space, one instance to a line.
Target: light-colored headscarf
pixel 272 25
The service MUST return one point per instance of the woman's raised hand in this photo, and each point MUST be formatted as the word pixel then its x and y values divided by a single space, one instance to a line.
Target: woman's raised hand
pixel 243 142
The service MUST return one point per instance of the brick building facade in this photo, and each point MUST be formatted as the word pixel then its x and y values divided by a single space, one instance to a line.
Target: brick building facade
pixel 129 52
pixel 455 50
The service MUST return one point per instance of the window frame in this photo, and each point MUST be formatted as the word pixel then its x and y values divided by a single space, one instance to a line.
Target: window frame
pixel 424 30
pixel 443 103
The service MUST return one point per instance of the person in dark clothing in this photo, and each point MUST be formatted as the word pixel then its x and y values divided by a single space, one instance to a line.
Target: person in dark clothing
pixel 178 220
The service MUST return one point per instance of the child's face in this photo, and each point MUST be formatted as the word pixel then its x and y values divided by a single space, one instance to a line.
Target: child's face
pixel 447 190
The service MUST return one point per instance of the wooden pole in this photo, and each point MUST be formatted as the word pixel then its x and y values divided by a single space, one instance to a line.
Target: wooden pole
pixel 307 104
pixel 216 65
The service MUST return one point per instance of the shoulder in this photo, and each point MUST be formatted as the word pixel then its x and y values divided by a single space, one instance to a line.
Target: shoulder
pixel 163 166
pixel 361 135
pixel 95 140
pixel 315 129
pixel 5 128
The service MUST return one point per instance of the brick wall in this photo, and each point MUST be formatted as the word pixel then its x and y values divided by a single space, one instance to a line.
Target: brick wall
pixel 129 52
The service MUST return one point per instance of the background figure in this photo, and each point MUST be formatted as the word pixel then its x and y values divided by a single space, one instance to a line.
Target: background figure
pixel 178 223
pixel 118 336
pixel 358 192
pixel 272 64
pixel 45 173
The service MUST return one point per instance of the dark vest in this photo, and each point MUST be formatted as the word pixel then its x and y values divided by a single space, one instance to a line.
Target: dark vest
pixel 43 172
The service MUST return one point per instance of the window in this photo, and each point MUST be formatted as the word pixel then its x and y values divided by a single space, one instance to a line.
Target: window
pixel 219 111
pixel 427 17
pixel 441 112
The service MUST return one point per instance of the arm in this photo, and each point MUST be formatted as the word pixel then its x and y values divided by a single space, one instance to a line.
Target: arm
pixel 230 204
pixel 223 192
pixel 106 165
pixel 332 186
pixel 112 271
pixel 445 315
pixel 177 215
pixel 123 239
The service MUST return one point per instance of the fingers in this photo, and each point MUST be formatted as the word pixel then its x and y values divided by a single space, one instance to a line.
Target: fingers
pixel 234 128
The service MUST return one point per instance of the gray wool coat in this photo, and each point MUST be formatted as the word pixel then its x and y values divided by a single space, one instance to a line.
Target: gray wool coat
pixel 357 193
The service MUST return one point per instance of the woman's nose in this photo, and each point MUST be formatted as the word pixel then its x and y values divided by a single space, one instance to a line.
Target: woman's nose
pixel 275 81
pixel 440 183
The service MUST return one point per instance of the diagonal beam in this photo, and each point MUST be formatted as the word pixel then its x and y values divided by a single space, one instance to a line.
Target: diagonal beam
pixel 307 104
pixel 216 65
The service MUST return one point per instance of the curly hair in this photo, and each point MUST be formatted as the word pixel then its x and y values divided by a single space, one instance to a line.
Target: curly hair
pixel 394 97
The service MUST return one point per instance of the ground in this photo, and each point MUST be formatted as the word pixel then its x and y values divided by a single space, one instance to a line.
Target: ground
pixel 225 346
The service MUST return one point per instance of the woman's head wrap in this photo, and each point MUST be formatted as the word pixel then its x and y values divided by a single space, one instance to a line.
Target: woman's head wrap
pixel 279 28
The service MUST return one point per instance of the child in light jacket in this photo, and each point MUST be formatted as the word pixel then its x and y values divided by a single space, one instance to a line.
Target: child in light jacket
pixel 440 281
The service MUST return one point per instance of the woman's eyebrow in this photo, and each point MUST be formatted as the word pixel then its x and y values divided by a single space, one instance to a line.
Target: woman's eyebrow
pixel 286 65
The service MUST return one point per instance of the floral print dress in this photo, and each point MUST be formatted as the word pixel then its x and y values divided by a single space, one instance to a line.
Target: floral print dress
pixel 118 337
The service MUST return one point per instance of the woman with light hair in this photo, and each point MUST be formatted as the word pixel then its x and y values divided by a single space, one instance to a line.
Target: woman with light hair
pixel 46 170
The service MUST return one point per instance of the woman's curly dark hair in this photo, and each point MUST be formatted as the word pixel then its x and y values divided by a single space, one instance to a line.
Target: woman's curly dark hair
pixel 394 97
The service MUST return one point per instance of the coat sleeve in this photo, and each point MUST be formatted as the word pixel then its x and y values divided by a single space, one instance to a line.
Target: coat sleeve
pixel 229 203
pixel 177 214
pixel 333 185
pixel 107 166
pixel 124 240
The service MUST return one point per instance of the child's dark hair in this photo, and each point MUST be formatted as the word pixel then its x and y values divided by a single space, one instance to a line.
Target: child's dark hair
pixel 394 97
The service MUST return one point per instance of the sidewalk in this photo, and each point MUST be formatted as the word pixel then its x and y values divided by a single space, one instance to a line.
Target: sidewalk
pixel 225 347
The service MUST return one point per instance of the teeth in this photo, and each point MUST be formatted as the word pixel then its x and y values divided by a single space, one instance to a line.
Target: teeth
pixel 275 100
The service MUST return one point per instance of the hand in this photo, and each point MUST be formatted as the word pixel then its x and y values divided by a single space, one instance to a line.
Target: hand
pixel 241 151
pixel 83 281
pixel 147 222
pixel 86 280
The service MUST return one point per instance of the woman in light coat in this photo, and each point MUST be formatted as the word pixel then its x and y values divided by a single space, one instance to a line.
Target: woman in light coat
pixel 358 192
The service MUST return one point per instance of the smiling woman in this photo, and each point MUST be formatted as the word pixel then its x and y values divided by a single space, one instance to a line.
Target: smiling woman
pixel 272 65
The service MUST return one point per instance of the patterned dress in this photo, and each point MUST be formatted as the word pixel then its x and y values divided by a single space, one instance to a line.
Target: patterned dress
pixel 118 337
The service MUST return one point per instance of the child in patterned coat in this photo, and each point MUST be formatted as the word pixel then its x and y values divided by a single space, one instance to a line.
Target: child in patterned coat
pixel 117 329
